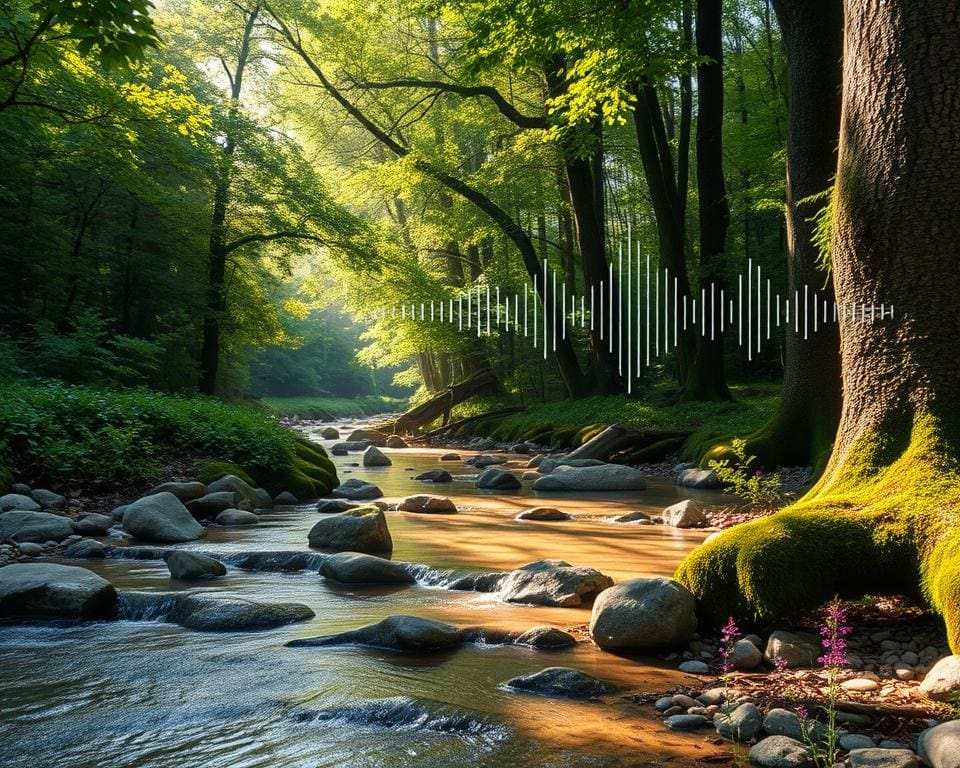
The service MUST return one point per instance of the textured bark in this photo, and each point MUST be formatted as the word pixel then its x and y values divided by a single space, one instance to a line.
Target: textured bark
pixel 803 428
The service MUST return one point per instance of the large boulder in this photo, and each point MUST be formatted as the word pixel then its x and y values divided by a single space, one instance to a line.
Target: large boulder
pixel 553 583
pixel 546 466
pixel 941 683
pixel 395 441
pixel 740 725
pixel 371 436
pixel 698 478
pixel 939 747
pixel 561 682
pixel 374 457
pixel 220 614
pixel 428 505
pixel 330 433
pixel 793 650
pixel 183 491
pixel 192 565
pixel 85 549
pixel 48 499
pixel 498 480
pixel 358 568
pixel 407 634
pixel 643 613
pixel 161 518
pixel 242 490
pixel 285 499
pixel 236 517
pixel 684 514
pixel 212 504
pixel 545 638
pixel 363 529
pixel 94 524
pixel 18 501
pixel 40 527
pixel 48 590
pixel 357 490
pixel 607 477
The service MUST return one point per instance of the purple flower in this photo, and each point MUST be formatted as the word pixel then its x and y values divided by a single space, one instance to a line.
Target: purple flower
pixel 728 638
pixel 833 634
pixel 802 712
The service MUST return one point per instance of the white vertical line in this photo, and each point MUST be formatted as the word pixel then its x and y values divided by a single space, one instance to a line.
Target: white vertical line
pixel 526 312
pixel 648 310
pixel 778 310
pixel 619 311
pixel 684 312
pixel 713 311
pixel 479 307
pixel 600 318
pixel 676 308
pixel 749 309
pixel 638 310
pixel 553 305
pixel 583 314
pixel 666 310
pixel 768 309
pixel 656 311
pixel 816 301
pixel 723 314
pixel 740 309
pixel 806 309
pixel 545 284
pixel 563 327
pixel 703 312
pixel 592 324
pixel 610 307
pixel 423 311
pixel 403 311
pixel 431 310
pixel 796 311
pixel 629 322
pixel 535 311
pixel 506 315
pixel 693 311
pixel 758 308
pixel 498 305
pixel 469 310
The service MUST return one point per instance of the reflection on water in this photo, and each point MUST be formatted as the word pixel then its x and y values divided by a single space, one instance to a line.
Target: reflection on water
pixel 149 695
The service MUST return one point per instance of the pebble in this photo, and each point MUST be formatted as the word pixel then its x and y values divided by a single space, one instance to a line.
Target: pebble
pixel 663 703
pixel 695 667
pixel 686 722
pixel 30 549
pixel 862 684
pixel 849 741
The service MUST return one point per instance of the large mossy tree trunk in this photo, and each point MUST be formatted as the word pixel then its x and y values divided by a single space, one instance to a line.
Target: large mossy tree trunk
pixel 884 516
pixel 803 428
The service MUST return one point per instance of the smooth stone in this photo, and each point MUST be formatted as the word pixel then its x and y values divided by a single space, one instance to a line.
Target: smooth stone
pixel 183 491
pixel 212 504
pixel 359 568
pixel 285 499
pixel 941 683
pixel 712 697
pixel 643 613
pixel 375 437
pixel 746 656
pixel 435 476
pixel 18 501
pixel 850 741
pixel 546 466
pixel 341 449
pixel 407 634
pixel 783 722
pixel 117 512
pixel 357 490
pixel 54 591
pixel 560 682
pixel 233 484
pixel 608 477
pixel 682 700
pixel 939 746
pixel 633 517
pixel 685 514
pixel 791 648
pixel 698 478
pixel 236 614
pixel 780 752
pixel 742 724
pixel 428 505
pixel 686 722
pixel 536 461
pixel 861 684
pixel 161 518
pixel 543 513
pixel 363 529
pixel 30 548
pixel 192 565
pixel 663 703
pixel 330 433
pixel 450 457
pixel 85 549
pixel 553 583
pixel 48 499
pixel 21 488
pixel 333 506
pixel 546 638
pixel 21 526
pixel 395 441
pixel 374 457
pixel 486 461
pixel 235 517
pixel 498 480
pixel 877 757
pixel 94 524
pixel 694 667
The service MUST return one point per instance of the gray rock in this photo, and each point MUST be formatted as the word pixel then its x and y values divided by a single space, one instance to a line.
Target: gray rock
pixel 212 504
pixel 546 638
pixel 554 583
pixel 633 517
pixel 395 441
pixel 363 529
pixel 330 433
pixel 18 501
pixel 663 703
pixel 939 746
pixel 498 480
pixel 521 448
pixel 685 514
pixel 233 484
pixel 340 449
pixel 39 527
pixel 30 549
pixel 742 724
pixel 428 505
pixel 161 518
pixel 608 477
pixel 358 568
pixel 285 499
pixel 220 614
pixel 235 517
pixel 694 667
pixel 117 512
pixel 698 478
pixel 643 613
pixel 21 488
pixel 783 722
pixel 941 683
pixel 94 524
pixel 192 565
pixel 546 466
pixel 560 682
pixel 183 491
pixel 875 757
pixel 484 444
pixel 450 457
pixel 371 436
pixel 435 476
pixel 686 722
pixel 543 513
pixel 263 499
pixel 50 590
pixel 684 701
pixel 793 649
pixel 407 634
pixel 712 696
pixel 745 656
pixel 780 752
pixel 483 460
pixel 85 548
pixel 48 499
pixel 536 461
pixel 335 505
pixel 849 741
pixel 374 457
pixel 357 489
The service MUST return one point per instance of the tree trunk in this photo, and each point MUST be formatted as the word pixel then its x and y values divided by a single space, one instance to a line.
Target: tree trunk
pixel 883 517
pixel 803 428
pixel 706 380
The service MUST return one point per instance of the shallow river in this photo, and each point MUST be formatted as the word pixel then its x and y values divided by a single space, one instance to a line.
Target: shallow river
pixel 150 694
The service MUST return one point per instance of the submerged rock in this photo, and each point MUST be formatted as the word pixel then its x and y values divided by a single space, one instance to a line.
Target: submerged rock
pixel 450 457
pixel 403 712
pixel 428 505
pixel 330 433
pixel 285 499
pixel 498 480
pixel 408 634
pixel 546 638
pixel 547 465
pixel 53 591
pixel 371 436
pixel 235 517
pixel 633 517
pixel 359 568
pixel 161 518
pixel 608 477
pixel 192 565
pixel 22 526
pixel 333 506
pixel 553 583
pixel 94 524
pixel 643 613
pixel 543 513
pixel 561 682
pixel 363 529
pixel 395 441
pixel 357 489
pixel 85 549
pixel 374 457
pixel 435 476
pixel 222 614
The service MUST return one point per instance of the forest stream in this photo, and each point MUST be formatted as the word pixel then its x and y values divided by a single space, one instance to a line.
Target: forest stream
pixel 154 694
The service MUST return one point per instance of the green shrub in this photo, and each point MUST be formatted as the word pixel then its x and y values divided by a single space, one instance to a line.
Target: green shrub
pixel 331 408
pixel 760 489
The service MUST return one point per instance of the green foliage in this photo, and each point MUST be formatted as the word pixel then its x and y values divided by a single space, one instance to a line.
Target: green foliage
pixel 209 471
pixel 119 32
pixel 330 408
pixel 822 222
pixel 760 489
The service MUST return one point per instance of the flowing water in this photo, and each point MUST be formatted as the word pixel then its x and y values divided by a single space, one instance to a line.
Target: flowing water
pixel 152 694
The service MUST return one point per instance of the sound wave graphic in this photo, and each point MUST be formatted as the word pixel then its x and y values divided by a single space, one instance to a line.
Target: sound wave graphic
pixel 640 317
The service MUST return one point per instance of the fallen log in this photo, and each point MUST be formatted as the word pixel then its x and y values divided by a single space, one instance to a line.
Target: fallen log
pixel 440 404
pixel 617 438
pixel 454 425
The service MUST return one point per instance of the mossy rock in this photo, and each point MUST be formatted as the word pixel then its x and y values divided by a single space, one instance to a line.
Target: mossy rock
pixel 589 432
pixel 214 470
pixel 564 438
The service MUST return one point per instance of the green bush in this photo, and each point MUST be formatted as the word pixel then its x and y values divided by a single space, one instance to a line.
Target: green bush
pixel 331 408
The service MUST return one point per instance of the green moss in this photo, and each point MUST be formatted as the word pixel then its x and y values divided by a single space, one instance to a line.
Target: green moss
pixel 214 470
pixel 310 474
